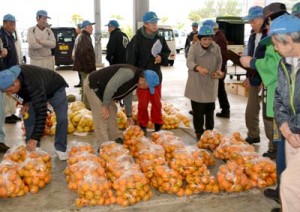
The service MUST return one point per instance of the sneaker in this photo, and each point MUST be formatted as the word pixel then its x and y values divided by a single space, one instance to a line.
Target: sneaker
pixel 223 115
pixel 250 140
pixel 270 154
pixel 272 194
pixel 62 155
pixel 10 120
pixel 3 147
pixel 16 117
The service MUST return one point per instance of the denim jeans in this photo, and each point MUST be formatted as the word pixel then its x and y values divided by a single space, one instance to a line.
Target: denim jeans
pixel 2 116
pixel 60 106
pixel 280 159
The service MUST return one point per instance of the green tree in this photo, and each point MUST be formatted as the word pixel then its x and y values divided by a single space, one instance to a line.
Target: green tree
pixel 164 19
pixel 117 17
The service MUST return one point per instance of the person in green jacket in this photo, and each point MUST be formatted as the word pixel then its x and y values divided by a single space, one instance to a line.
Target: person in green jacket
pixel 268 70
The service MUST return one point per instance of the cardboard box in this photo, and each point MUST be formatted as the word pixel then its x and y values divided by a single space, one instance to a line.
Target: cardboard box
pixel 231 88
pixel 242 91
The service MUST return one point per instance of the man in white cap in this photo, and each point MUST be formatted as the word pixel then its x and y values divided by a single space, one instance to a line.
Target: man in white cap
pixel 40 42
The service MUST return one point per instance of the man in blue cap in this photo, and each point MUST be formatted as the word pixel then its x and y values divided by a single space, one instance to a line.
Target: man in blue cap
pixel 9 57
pixel 149 50
pixel 117 44
pixel 285 36
pixel 37 86
pixel 256 18
pixel 191 37
pixel 110 84
pixel 41 40
pixel 204 64
pixel 85 58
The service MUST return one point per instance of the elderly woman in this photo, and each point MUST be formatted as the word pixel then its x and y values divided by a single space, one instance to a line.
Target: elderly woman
pixel 204 62
pixel 286 40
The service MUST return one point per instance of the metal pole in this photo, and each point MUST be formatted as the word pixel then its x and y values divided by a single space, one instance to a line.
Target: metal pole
pixel 97 33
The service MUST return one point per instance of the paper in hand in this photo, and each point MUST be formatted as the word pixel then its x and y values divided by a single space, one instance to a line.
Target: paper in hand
pixel 156 48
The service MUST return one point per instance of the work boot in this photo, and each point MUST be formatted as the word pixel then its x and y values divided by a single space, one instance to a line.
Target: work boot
pixel 3 147
pixel 144 130
pixel 10 120
pixel 250 140
pixel 191 112
pixel 119 141
pixel 16 117
pixel 77 86
pixel 272 194
pixel 223 114
pixel 270 154
pixel 198 136
pixel 157 127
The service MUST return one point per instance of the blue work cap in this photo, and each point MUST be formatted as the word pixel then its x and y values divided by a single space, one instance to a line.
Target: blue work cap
pixel 206 30
pixel 113 23
pixel 8 77
pixel 152 79
pixel 86 23
pixel 150 17
pixel 9 17
pixel 42 13
pixel 253 13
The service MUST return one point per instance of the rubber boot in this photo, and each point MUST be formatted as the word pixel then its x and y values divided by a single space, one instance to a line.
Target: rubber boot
pixel 157 127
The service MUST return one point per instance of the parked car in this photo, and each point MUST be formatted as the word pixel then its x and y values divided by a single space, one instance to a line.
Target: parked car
pixel 167 32
pixel 65 39
pixel 180 38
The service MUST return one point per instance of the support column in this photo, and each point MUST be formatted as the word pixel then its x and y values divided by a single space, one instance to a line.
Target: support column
pixel 97 33
pixel 139 8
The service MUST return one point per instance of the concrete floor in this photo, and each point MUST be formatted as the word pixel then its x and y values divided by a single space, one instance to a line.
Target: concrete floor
pixel 57 197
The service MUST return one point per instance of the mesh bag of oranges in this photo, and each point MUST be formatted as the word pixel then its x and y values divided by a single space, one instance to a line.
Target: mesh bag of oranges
pixel 150 151
pixel 94 191
pixel 83 156
pixel 116 168
pixel 111 150
pixel 35 174
pixel 16 153
pixel 76 106
pixel 200 181
pixel 166 180
pixel 242 157
pixel 230 145
pixel 161 135
pixel 148 166
pixel 11 184
pixel 42 156
pixel 121 120
pixel 77 147
pixel 130 136
pixel 131 188
pixel 261 171
pixel 210 139
pixel 76 172
pixel 231 178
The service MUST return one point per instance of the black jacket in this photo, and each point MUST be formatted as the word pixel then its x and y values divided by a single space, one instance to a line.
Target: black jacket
pixel 116 47
pixel 38 85
pixel 9 43
pixel 139 52
pixel 99 79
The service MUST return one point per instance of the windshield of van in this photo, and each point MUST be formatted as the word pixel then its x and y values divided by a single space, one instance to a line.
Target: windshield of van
pixel 66 36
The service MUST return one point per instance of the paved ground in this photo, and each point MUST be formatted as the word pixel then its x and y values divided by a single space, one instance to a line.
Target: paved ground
pixel 57 197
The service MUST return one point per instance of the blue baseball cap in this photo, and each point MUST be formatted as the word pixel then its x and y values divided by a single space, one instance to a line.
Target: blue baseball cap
pixel 195 24
pixel 296 9
pixel 86 23
pixel 113 23
pixel 42 13
pixel 279 26
pixel 206 30
pixel 9 17
pixel 152 79
pixel 253 13
pixel 8 77
pixel 150 17
pixel 210 22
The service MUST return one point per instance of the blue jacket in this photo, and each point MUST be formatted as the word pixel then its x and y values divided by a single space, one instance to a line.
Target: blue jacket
pixel 255 80
pixel 287 96
pixel 9 43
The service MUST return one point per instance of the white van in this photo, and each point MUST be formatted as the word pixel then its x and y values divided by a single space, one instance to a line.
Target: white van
pixel 167 32
pixel 180 38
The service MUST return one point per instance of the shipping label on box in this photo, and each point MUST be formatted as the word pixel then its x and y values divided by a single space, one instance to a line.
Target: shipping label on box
pixel 242 90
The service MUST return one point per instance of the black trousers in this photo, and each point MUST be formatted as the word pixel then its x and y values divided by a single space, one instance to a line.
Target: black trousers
pixel 203 112
pixel 222 96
